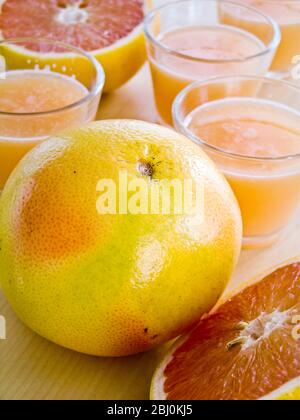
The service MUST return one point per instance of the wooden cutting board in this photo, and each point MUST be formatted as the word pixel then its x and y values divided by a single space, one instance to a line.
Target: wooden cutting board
pixel 32 368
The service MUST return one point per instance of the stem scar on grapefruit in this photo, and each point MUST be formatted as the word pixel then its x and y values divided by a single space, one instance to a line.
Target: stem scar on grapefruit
pixel 114 282
pixel 110 29
pixel 246 349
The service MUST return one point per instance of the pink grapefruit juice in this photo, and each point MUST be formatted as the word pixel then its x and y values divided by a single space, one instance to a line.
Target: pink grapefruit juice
pixel 32 107
pixel 251 141
pixel 285 12
pixel 209 51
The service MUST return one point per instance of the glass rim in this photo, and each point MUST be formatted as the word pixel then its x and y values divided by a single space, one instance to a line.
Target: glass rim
pixel 274 43
pixel 92 93
pixel 179 123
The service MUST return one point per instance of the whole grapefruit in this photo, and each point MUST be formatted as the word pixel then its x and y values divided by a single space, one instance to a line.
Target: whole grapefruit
pixel 114 283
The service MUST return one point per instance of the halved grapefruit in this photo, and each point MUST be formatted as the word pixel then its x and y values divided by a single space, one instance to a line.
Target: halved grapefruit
pixel 247 349
pixel 110 29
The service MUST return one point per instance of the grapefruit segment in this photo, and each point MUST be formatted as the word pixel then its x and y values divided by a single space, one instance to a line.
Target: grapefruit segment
pixel 110 29
pixel 245 350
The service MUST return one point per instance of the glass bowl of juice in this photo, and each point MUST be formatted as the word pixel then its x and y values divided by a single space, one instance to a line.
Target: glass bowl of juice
pixel 250 127
pixel 187 41
pixel 45 87
pixel 287 15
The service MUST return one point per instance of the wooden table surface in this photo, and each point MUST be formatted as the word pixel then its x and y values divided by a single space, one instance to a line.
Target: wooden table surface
pixel 32 368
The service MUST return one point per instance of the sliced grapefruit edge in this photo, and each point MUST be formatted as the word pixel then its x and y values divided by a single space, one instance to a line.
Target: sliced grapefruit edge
pixel 128 53
pixel 135 33
pixel 253 280
pixel 287 391
pixel 120 43
pixel 157 385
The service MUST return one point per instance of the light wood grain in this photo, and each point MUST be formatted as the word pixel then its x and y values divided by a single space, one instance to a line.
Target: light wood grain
pixel 32 368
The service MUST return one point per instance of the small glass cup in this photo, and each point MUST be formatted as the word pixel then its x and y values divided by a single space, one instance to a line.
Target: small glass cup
pixel 174 33
pixel 287 15
pixel 45 87
pixel 267 186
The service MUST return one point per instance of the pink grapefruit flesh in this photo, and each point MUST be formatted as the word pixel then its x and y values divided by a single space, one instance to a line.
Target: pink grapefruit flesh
pixel 88 24
pixel 245 350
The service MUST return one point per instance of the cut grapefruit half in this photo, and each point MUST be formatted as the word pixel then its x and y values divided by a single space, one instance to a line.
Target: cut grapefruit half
pixel 109 29
pixel 247 349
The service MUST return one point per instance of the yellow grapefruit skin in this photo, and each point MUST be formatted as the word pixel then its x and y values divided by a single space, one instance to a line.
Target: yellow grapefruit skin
pixel 113 284
pixel 288 392
pixel 290 395
pixel 121 62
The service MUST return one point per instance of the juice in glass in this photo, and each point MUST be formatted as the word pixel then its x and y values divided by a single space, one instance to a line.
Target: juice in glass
pixel 25 92
pixel 38 102
pixel 188 42
pixel 285 12
pixel 255 141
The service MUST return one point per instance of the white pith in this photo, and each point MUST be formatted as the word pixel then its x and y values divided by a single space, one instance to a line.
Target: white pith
pixel 72 14
pixel 262 327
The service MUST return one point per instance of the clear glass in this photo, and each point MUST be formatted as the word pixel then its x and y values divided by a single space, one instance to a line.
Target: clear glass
pixel 69 82
pixel 176 58
pixel 267 188
pixel 287 15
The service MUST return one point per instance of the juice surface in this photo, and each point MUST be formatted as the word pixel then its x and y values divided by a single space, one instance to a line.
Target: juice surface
pixel 28 91
pixel 248 127
pixel 213 50
pixel 286 13
pixel 268 192
pixel 217 42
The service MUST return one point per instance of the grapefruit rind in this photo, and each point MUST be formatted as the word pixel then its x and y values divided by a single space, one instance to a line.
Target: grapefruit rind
pixel 229 294
pixel 128 54
pixel 288 392
pixel 157 384
pixel 69 64
pixel 122 60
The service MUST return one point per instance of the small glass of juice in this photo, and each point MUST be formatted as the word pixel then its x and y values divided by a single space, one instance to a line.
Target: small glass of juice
pixel 45 87
pixel 254 138
pixel 187 41
pixel 286 13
